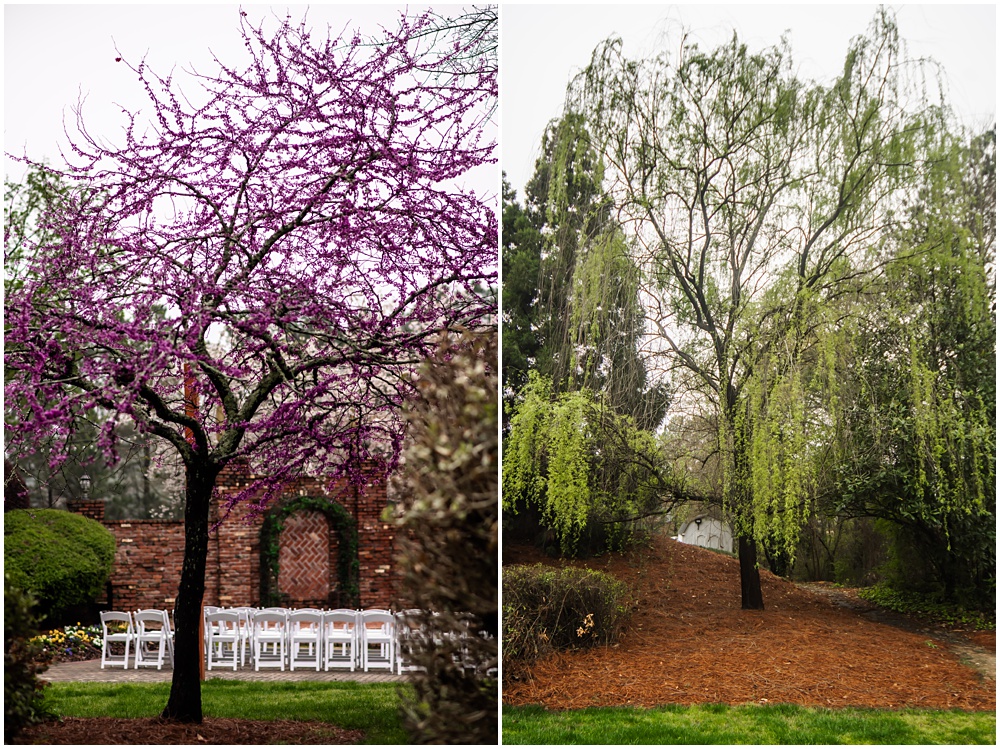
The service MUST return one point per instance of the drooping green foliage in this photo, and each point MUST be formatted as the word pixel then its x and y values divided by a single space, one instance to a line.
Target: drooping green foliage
pixel 792 398
pixel 916 439
pixel 591 471
pixel 578 321
pixel 572 317
pixel 22 690
pixel 448 514
pixel 63 559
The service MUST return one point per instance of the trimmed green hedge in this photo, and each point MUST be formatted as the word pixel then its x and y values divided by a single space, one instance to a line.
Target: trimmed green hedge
pixel 64 559
pixel 546 608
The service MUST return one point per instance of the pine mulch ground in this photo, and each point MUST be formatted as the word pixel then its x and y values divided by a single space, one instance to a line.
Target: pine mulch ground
pixel 106 731
pixel 689 642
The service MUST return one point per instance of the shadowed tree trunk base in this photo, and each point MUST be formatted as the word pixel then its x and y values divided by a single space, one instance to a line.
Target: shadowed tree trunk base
pixel 752 597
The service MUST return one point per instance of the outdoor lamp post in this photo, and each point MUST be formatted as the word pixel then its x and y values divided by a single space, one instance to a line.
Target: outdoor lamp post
pixel 85 485
pixel 697 522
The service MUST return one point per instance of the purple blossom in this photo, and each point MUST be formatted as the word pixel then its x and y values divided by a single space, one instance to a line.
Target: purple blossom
pixel 317 242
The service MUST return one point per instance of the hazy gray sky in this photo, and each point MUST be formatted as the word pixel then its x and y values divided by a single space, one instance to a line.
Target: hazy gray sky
pixel 53 54
pixel 542 46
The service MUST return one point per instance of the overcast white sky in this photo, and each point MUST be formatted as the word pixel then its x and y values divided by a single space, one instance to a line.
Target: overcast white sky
pixel 55 53
pixel 542 46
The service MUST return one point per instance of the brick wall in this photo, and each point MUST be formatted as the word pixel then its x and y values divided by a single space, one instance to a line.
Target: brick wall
pixel 376 544
pixel 150 553
pixel 148 561
pixel 89 508
pixel 232 576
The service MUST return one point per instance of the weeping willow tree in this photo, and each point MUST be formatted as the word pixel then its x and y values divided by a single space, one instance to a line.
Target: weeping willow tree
pixel 754 200
pixel 590 470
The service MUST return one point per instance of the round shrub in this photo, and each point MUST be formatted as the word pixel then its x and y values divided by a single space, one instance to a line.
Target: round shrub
pixel 546 608
pixel 62 558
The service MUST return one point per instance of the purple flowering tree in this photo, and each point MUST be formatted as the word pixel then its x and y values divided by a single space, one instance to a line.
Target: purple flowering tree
pixel 282 245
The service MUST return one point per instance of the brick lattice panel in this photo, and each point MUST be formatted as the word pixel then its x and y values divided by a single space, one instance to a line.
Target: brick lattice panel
pixel 304 557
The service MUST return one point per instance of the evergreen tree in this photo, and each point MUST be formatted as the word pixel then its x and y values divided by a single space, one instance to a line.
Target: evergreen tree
pixel 521 248
pixel 581 324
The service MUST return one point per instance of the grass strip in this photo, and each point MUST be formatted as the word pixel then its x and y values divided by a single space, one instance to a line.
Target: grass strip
pixel 372 708
pixel 745 724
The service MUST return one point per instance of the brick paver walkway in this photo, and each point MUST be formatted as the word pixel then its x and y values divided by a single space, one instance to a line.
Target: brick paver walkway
pixel 92 671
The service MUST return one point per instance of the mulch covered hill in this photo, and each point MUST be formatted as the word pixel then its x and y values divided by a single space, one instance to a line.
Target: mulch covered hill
pixel 690 642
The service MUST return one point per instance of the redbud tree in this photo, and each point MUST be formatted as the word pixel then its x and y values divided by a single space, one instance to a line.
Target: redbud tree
pixel 252 274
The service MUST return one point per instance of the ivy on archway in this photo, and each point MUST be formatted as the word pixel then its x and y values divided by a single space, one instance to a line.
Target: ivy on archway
pixel 348 567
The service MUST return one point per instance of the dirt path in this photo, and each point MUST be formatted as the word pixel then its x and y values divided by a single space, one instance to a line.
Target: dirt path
pixel 689 642
pixel 975 649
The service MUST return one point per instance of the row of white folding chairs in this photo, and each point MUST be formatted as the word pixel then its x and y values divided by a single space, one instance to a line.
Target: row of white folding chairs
pixel 342 638
pixel 409 637
pixel 148 631
pixel 276 637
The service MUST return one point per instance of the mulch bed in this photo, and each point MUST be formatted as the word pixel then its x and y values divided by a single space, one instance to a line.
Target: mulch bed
pixel 689 642
pixel 98 731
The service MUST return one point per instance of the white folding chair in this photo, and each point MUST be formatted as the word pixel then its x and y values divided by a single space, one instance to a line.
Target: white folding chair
pixel 121 631
pixel 246 632
pixel 407 635
pixel 222 638
pixel 205 612
pixel 168 626
pixel 152 628
pixel 464 637
pixel 340 639
pixel 269 639
pixel 378 639
pixel 305 638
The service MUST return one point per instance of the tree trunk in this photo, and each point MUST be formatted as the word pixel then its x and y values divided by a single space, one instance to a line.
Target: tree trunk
pixel 184 704
pixel 147 463
pixel 742 498
pixel 750 592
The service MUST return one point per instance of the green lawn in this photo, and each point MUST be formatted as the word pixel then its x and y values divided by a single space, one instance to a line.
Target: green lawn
pixel 372 708
pixel 748 724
